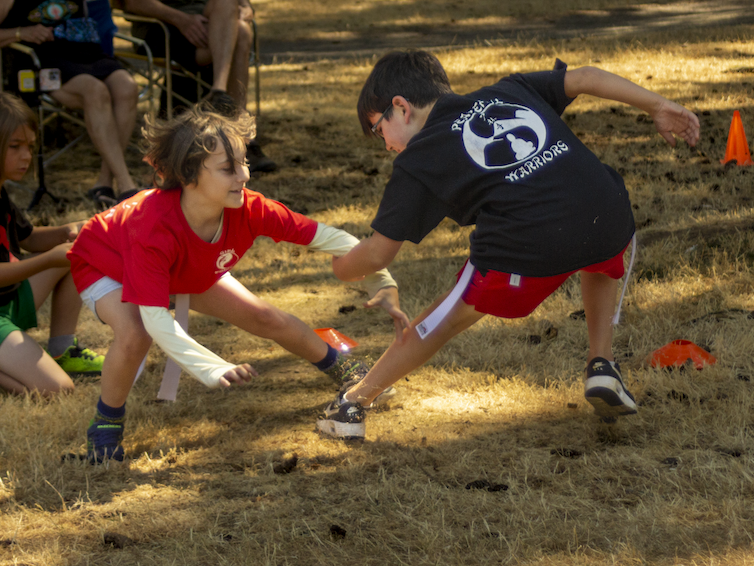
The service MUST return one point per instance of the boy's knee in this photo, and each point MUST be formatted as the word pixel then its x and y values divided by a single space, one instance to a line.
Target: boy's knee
pixel 135 340
pixel 272 320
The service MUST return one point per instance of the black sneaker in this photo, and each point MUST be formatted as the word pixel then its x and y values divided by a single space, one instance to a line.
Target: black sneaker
pixel 381 399
pixel 343 419
pixel 103 439
pixel 604 389
pixel 346 369
pixel 222 103
pixel 258 161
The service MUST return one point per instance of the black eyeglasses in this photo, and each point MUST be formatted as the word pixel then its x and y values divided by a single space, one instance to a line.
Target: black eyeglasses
pixel 377 123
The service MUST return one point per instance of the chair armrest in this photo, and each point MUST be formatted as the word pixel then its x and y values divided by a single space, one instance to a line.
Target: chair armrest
pixel 28 51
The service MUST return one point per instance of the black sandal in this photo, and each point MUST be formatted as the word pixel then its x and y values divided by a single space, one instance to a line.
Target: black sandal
pixel 103 195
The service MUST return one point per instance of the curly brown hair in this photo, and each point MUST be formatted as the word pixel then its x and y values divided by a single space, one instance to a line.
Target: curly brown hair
pixel 14 113
pixel 176 149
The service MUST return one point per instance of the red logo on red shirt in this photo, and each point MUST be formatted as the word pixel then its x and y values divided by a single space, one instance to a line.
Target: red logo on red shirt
pixel 226 260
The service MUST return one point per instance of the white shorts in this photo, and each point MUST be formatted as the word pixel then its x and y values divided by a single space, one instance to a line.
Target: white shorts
pixel 106 285
pixel 97 290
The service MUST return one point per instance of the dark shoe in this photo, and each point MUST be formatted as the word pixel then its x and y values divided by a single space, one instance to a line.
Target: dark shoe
pixel 103 439
pixel 222 103
pixel 604 389
pixel 343 419
pixel 258 161
pixel 347 372
pixel 104 196
pixel 347 369
pixel 127 194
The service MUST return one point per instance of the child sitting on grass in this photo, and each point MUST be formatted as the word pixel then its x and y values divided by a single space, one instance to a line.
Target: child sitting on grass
pixel 544 206
pixel 183 238
pixel 25 283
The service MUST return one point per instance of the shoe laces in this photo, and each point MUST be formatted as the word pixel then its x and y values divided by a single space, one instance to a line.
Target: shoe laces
pixel 85 353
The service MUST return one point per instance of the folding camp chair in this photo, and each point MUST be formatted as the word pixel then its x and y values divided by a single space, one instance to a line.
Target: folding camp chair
pixel 165 69
pixel 30 82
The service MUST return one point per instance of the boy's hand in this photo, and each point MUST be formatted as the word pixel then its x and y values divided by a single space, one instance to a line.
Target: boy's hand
pixel 387 298
pixel 671 118
pixel 73 229
pixel 238 375
pixel 57 257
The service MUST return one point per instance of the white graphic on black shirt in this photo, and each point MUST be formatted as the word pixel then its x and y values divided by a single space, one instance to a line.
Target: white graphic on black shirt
pixel 502 135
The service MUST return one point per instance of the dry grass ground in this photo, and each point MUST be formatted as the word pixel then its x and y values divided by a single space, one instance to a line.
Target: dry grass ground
pixel 502 403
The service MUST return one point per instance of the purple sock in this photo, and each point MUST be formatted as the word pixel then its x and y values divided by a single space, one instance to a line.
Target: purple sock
pixel 110 412
pixel 330 358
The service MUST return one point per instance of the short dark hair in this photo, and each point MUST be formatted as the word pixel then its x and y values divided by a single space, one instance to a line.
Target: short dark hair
pixel 14 113
pixel 418 76
pixel 176 149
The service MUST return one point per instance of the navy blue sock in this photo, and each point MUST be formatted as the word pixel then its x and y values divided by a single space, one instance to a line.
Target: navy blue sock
pixel 109 412
pixel 329 359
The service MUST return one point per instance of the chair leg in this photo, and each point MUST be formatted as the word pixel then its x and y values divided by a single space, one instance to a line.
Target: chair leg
pixel 42 189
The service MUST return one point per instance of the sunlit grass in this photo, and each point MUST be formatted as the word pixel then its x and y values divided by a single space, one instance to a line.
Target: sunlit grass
pixel 502 402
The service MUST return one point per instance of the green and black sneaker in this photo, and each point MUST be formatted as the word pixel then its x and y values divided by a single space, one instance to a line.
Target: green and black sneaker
pixel 80 361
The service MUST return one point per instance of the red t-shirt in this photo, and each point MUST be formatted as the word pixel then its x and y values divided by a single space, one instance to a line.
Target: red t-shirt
pixel 146 244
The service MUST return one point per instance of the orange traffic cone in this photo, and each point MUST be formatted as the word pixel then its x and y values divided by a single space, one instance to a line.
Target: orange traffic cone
pixel 737 149
pixel 336 339
pixel 680 352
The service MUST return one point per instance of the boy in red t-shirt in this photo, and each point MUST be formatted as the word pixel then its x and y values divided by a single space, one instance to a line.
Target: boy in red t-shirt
pixel 183 238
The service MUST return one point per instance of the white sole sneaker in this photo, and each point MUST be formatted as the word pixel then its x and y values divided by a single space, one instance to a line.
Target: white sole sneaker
pixel 604 389
pixel 384 397
pixel 608 397
pixel 346 431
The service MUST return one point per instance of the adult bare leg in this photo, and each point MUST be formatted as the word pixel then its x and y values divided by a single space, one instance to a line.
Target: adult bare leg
pixel 124 94
pixel 238 81
pixel 223 33
pixel 230 301
pixel 93 97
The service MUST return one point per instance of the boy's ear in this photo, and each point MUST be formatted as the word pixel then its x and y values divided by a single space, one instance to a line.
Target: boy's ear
pixel 403 106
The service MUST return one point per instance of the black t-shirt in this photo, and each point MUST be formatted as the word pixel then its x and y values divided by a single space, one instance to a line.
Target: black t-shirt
pixel 503 159
pixel 13 228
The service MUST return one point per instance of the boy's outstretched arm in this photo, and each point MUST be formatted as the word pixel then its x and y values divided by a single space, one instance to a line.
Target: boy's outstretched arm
pixel 669 118
pixel 370 255
pixel 382 289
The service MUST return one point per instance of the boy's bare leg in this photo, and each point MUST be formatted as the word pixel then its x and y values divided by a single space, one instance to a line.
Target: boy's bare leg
pixel 599 292
pixel 230 301
pixel 66 303
pixel 130 344
pixel 401 358
pixel 223 34
pixel 26 367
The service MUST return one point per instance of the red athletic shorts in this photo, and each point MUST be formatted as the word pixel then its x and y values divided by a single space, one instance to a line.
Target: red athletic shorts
pixel 514 296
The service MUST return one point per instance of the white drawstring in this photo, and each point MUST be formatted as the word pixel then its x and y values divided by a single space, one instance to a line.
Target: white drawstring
pixel 616 318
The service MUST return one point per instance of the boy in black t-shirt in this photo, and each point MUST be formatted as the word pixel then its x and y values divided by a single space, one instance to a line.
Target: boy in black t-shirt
pixel 544 207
